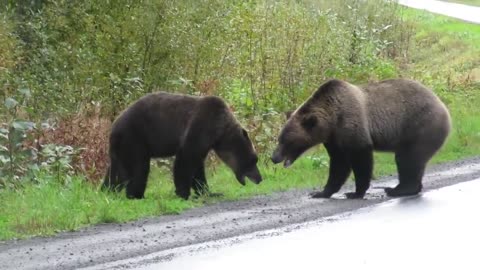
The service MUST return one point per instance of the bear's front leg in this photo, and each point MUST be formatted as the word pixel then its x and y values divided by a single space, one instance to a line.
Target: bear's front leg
pixel 183 172
pixel 199 181
pixel 338 173
pixel 362 166
pixel 199 184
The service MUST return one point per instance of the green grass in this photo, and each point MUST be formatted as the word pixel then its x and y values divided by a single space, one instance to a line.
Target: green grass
pixel 445 56
pixel 50 207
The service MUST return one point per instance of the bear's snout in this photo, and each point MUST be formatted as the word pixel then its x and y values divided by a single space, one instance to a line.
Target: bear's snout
pixel 254 175
pixel 277 156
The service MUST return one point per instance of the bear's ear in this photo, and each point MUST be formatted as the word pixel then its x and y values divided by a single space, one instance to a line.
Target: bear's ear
pixel 309 122
pixel 288 114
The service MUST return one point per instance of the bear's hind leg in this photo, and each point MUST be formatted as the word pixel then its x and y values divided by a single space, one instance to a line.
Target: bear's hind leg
pixel 411 166
pixel 138 178
pixel 362 165
pixel 338 172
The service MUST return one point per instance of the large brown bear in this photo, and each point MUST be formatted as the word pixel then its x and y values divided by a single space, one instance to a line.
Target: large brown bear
pixel 399 115
pixel 187 127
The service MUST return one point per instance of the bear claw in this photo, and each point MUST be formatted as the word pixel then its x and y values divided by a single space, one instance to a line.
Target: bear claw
pixel 320 194
pixel 400 192
pixel 354 195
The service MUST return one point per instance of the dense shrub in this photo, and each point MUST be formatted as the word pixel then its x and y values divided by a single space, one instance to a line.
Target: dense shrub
pixel 263 57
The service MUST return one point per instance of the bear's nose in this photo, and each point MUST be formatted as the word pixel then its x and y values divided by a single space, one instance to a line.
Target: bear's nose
pixel 277 157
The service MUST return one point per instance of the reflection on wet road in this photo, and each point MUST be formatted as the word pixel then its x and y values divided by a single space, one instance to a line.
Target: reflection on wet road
pixel 439 228
pixel 459 11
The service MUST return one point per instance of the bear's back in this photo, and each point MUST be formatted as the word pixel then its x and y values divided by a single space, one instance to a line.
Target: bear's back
pixel 399 110
pixel 158 120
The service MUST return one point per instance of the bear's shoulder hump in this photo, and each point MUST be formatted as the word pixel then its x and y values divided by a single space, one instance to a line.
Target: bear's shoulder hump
pixel 214 101
pixel 329 86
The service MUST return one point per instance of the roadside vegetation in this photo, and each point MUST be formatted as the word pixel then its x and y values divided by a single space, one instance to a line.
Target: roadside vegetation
pixel 67 68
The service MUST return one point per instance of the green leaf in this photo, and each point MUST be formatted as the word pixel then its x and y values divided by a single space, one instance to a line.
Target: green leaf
pixel 23 125
pixel 10 103
pixel 34 167
pixel 4 159
pixel 25 91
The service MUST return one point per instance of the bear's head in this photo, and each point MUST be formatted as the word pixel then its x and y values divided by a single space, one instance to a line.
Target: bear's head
pixel 237 151
pixel 306 127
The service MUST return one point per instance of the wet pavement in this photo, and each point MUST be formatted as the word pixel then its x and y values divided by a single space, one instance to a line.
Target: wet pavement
pixel 459 11
pixel 438 229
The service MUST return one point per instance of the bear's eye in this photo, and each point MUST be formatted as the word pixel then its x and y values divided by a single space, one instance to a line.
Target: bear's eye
pixel 309 122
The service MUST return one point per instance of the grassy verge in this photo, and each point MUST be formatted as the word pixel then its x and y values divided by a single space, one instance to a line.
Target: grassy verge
pixel 445 56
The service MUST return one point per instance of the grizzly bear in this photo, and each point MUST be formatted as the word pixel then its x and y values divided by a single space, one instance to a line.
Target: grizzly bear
pixel 187 127
pixel 398 115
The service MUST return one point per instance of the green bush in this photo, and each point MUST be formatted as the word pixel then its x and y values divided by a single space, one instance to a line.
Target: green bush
pixel 83 52
pixel 264 57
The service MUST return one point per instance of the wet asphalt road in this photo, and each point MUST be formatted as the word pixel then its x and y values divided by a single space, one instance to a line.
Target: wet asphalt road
pixel 454 10
pixel 120 246
pixel 436 230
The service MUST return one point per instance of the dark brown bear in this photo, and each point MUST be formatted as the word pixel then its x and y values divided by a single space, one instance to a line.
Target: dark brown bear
pixel 187 127
pixel 400 116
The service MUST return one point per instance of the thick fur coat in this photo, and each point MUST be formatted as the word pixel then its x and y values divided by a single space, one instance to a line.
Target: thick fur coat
pixel 398 115
pixel 187 127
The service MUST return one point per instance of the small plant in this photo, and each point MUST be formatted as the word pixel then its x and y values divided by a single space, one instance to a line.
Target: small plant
pixel 21 154
pixel 319 161
pixel 14 156
pixel 56 160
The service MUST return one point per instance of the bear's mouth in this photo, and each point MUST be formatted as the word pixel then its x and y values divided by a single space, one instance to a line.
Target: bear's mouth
pixel 288 162
pixel 241 180
pixel 253 174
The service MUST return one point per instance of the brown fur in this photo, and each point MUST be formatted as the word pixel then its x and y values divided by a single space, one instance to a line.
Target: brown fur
pixel 187 127
pixel 399 115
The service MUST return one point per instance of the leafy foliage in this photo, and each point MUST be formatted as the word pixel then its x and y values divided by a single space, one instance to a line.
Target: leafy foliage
pixel 21 155
pixel 84 61
pixel 83 52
